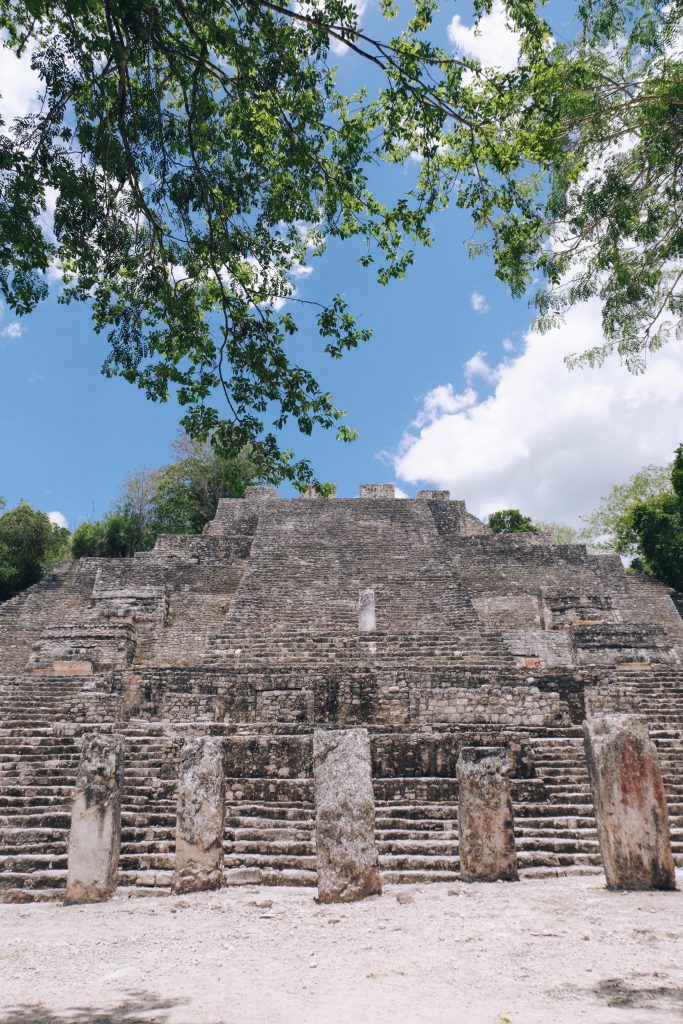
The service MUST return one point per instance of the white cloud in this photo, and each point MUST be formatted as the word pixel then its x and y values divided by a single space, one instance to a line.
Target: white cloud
pixel 442 401
pixel 301 270
pixel 13 330
pixel 479 303
pixel 492 43
pixel 479 366
pixel 59 519
pixel 35 378
pixel 19 85
pixel 508 345
pixel 549 441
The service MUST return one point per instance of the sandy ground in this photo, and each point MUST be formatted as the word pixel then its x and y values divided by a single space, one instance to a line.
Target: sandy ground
pixel 538 952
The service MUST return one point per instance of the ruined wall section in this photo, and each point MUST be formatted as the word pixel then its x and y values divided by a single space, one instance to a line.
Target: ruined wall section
pixel 559 607
pixel 60 597
pixel 95 614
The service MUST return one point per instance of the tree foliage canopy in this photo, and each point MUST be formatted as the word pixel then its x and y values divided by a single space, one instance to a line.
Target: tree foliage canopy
pixel 610 527
pixel 29 546
pixel 658 525
pixel 559 533
pixel 181 497
pixel 198 154
pixel 511 520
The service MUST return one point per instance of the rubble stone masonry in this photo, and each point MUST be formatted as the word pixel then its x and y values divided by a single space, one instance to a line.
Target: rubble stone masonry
pixel 252 634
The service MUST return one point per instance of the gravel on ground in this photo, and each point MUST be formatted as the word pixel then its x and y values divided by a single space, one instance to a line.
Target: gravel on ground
pixel 536 952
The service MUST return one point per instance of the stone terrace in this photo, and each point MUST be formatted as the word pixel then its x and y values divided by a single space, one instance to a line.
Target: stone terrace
pixel 251 632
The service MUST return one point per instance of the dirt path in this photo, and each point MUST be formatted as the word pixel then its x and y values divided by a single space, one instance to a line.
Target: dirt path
pixel 544 951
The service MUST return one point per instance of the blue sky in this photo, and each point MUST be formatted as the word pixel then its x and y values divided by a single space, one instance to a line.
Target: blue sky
pixel 452 391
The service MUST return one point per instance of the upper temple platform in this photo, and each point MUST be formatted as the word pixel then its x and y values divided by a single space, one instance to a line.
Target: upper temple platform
pixel 276 582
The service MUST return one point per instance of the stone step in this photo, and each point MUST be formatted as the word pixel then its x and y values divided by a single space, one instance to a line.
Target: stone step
pixel 396 877
pixel 30 862
pixel 42 879
pixel 268 848
pixel 268 861
pixel 431 847
pixel 264 876
pixel 568 870
pixel 21 895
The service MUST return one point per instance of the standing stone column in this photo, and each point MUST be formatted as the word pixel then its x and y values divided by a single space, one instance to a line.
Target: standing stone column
pixel 348 865
pixel 201 816
pixel 367 622
pixel 485 816
pixel 95 836
pixel 630 805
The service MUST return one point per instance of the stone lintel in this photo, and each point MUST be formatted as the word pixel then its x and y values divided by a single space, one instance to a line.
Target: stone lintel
pixel 260 493
pixel 201 816
pixel 95 836
pixel 378 492
pixel 367 621
pixel 485 816
pixel 348 863
pixel 630 805
pixel 433 495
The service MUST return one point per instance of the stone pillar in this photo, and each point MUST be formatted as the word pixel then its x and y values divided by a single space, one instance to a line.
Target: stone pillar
pixel 630 805
pixel 348 865
pixel 367 621
pixel 95 836
pixel 201 816
pixel 485 817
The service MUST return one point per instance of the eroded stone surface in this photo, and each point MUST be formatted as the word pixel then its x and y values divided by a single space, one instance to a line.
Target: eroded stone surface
pixel 482 640
pixel 201 816
pixel 485 816
pixel 367 621
pixel 630 805
pixel 348 864
pixel 378 492
pixel 95 836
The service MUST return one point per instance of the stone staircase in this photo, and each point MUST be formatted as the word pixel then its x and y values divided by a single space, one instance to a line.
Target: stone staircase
pixel 38 762
pixel 270 832
pixel 256 637
pixel 474 648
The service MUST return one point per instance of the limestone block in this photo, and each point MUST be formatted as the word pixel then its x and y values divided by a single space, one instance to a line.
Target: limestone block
pixel 433 495
pixel 630 805
pixel 260 493
pixel 348 864
pixel 201 816
pixel 485 817
pixel 95 836
pixel 378 491
pixel 367 622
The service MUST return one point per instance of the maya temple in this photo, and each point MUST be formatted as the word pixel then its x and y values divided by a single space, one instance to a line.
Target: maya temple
pixel 231 688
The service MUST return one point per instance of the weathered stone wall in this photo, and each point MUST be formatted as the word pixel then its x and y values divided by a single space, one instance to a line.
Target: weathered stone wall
pixel 250 632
